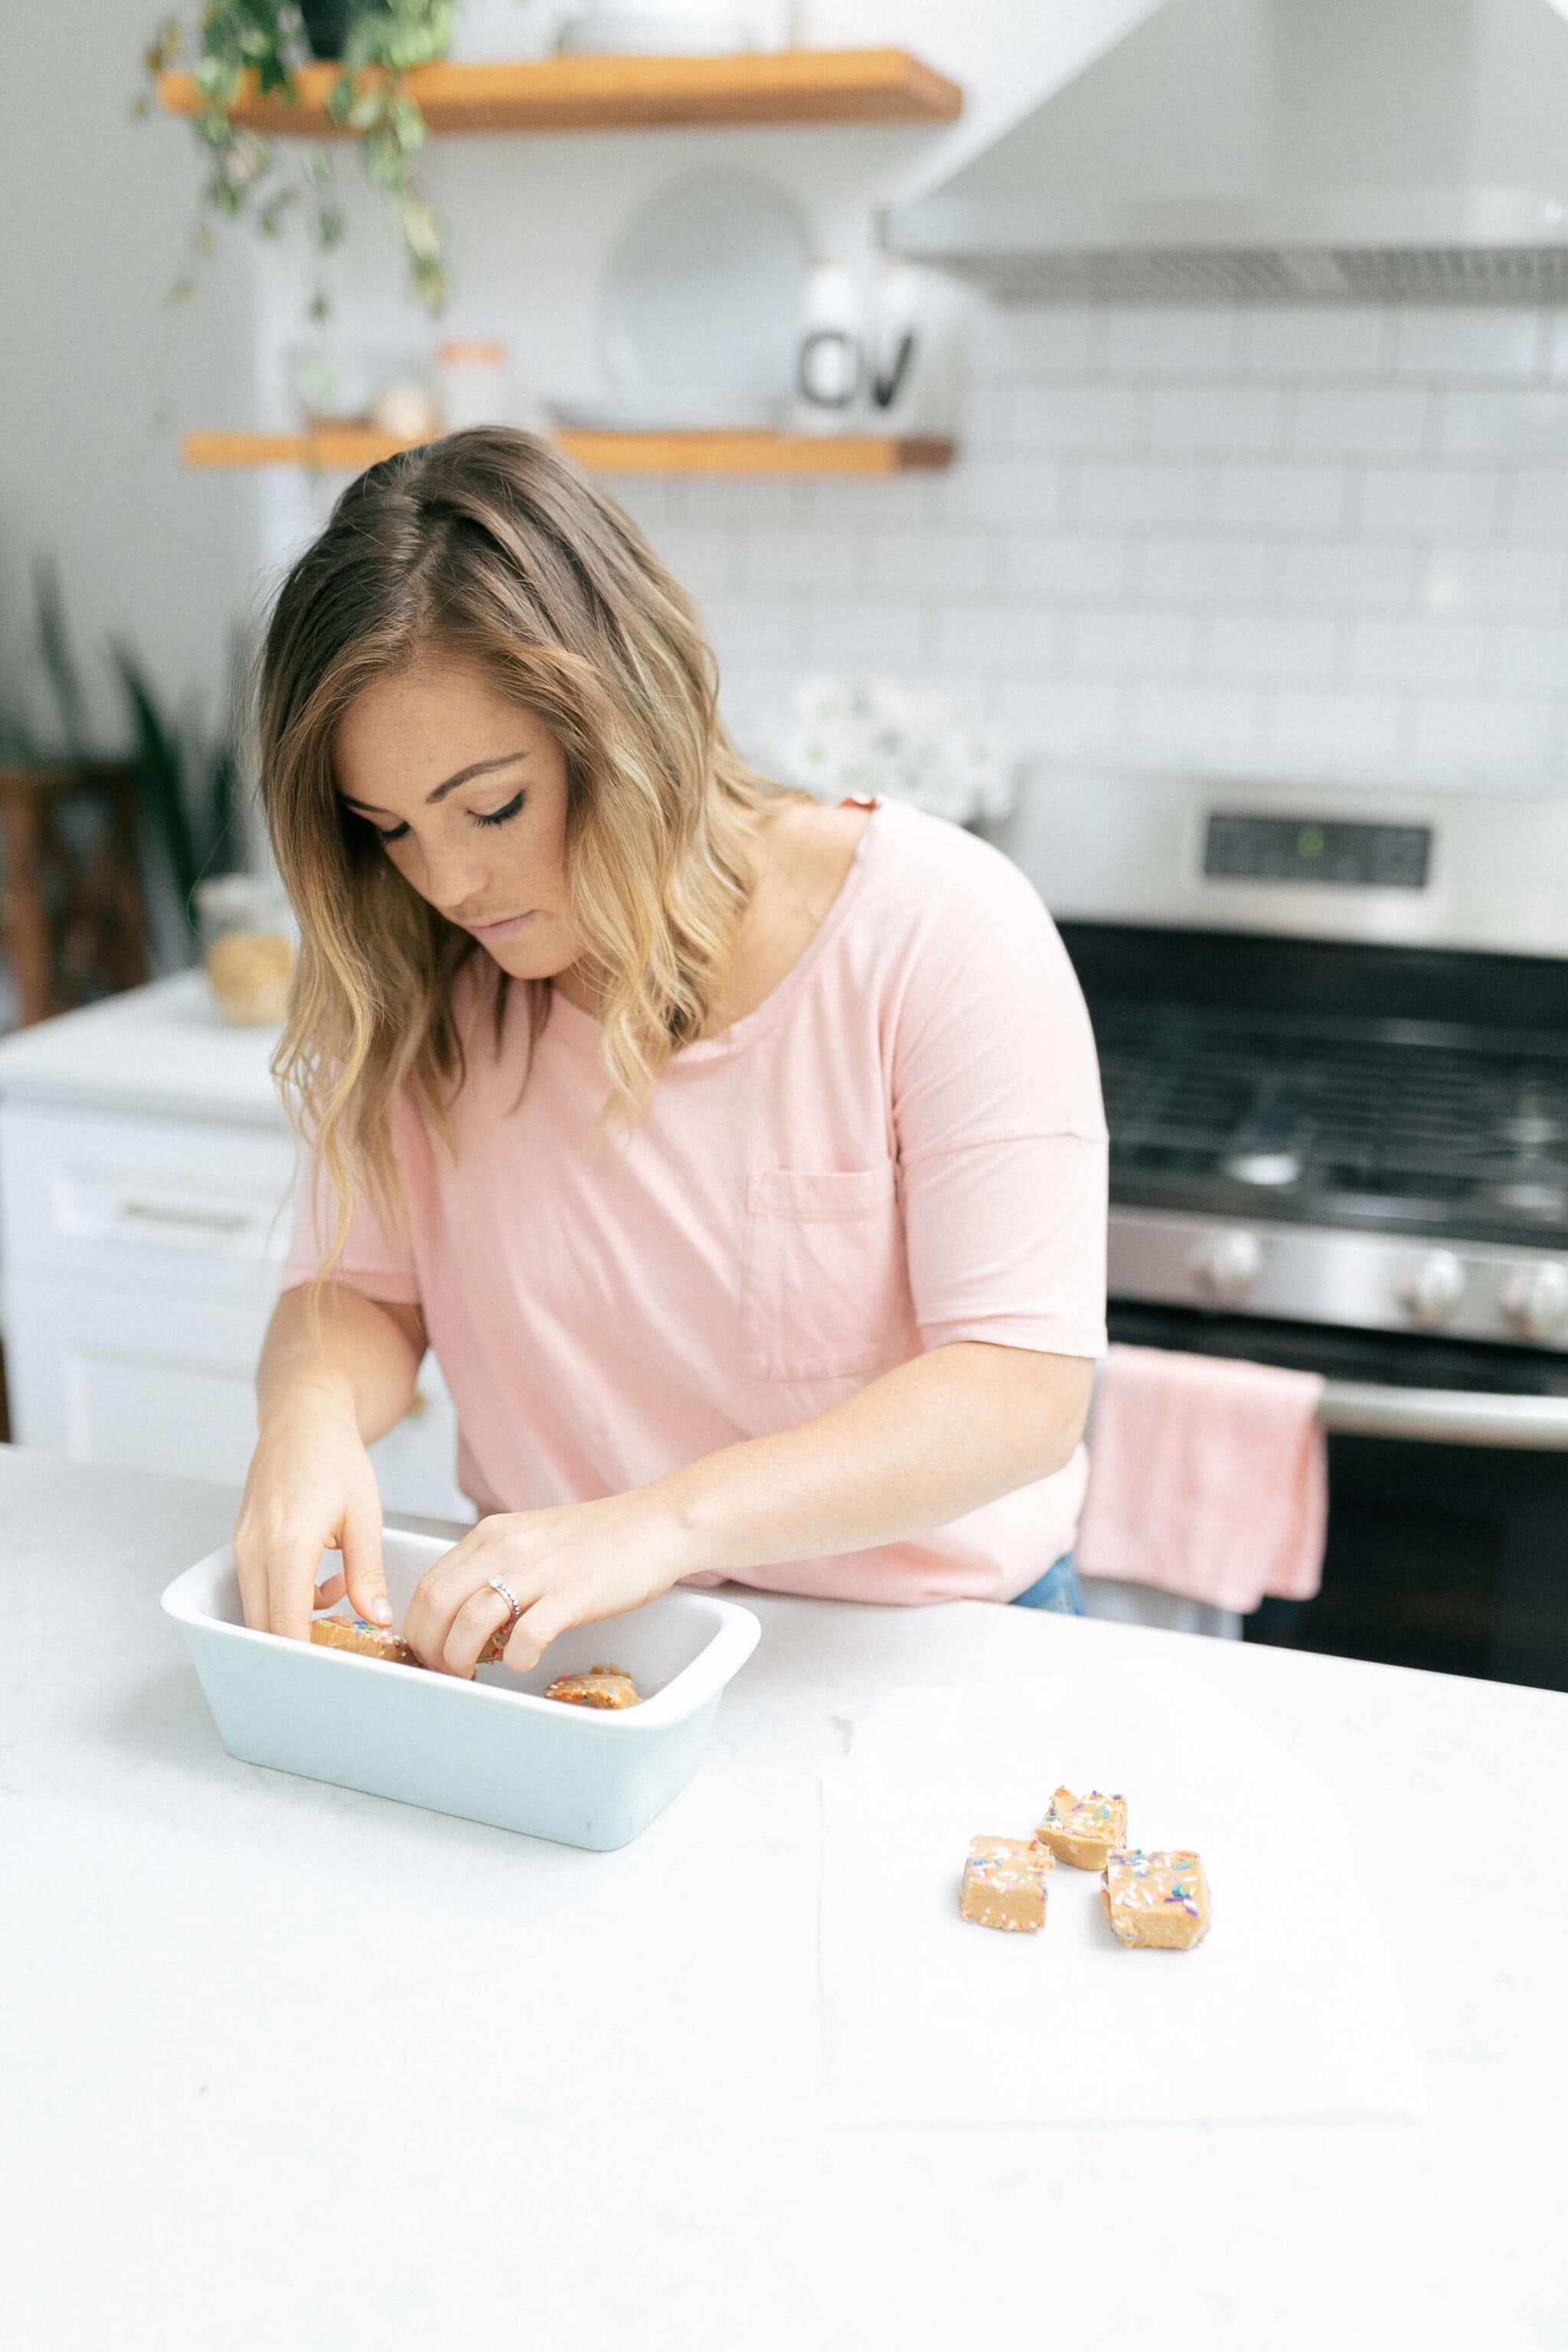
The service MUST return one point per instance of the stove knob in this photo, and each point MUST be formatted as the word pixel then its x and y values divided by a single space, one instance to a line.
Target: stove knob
pixel 1433 1288
pixel 1227 1264
pixel 1536 1300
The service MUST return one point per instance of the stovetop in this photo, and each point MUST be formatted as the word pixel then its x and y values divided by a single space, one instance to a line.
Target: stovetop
pixel 1400 1127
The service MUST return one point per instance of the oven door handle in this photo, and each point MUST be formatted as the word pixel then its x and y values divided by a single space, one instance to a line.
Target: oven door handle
pixel 1535 1424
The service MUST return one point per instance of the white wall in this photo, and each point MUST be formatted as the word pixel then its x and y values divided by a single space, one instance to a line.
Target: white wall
pixel 97 378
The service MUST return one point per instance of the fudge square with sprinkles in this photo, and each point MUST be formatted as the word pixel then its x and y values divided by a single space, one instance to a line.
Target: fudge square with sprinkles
pixel 1085 1831
pixel 1005 1882
pixel 1160 1899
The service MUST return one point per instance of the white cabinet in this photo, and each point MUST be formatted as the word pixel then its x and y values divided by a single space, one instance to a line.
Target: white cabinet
pixel 140 1259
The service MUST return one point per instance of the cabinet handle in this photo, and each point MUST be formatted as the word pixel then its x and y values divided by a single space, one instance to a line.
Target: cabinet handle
pixel 164 1213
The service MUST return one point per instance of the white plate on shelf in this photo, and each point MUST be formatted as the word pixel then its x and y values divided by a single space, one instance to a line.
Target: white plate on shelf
pixel 700 297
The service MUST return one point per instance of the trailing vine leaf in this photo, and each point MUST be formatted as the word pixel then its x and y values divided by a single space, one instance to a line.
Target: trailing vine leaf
pixel 384 40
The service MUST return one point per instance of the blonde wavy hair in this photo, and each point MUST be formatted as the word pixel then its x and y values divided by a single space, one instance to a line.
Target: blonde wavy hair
pixel 490 546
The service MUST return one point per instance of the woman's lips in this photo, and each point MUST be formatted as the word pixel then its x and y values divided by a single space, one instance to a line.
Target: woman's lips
pixel 504 929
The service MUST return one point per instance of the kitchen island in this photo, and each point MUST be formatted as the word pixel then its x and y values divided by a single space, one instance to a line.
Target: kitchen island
pixel 281 2065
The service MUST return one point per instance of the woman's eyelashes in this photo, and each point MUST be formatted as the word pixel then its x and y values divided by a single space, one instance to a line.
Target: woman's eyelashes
pixel 491 816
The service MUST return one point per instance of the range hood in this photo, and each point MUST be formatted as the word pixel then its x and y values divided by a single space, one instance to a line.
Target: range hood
pixel 1286 150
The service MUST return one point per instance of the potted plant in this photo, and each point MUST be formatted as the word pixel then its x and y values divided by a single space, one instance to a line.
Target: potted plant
pixel 377 43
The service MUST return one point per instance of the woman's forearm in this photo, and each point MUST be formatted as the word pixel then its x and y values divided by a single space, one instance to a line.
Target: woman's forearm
pixel 937 1436
pixel 364 1359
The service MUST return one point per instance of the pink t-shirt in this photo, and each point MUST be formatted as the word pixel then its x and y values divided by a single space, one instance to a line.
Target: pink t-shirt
pixel 903 1144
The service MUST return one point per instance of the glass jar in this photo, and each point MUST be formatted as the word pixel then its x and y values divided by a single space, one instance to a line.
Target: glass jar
pixel 247 935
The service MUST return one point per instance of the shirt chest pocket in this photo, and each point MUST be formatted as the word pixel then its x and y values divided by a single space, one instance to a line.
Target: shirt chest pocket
pixel 824 1276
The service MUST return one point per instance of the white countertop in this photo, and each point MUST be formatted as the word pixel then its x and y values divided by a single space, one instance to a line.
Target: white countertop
pixel 163 1050
pixel 287 2065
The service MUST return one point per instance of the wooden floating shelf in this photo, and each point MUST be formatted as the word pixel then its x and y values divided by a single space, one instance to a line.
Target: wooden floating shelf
pixel 350 449
pixel 636 94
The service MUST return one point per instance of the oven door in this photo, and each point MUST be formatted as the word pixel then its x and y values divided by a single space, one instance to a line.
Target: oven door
pixel 1447 1538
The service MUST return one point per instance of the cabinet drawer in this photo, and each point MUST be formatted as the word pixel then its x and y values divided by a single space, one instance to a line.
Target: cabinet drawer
pixel 159 1204
pixel 103 1376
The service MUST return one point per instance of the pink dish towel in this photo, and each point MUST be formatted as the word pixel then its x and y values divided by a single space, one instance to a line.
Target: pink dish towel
pixel 1206 1477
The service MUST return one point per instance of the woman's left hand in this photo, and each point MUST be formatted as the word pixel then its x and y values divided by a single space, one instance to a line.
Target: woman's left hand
pixel 565 1566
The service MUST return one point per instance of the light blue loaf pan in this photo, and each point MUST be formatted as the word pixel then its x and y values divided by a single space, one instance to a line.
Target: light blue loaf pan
pixel 491 1750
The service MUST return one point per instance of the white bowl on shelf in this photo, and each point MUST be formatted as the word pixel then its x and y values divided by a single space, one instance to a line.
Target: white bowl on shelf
pixel 495 1749
pixel 652 30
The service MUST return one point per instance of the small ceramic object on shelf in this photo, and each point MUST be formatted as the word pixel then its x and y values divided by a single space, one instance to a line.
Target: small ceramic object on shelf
pixel 499 32
pixel 627 28
pixel 247 936
pixel 333 382
pixel 477 385
pixel 830 352
pixel 911 350
pixel 407 408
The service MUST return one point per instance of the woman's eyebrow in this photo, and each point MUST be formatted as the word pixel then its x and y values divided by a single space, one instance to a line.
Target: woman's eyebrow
pixel 479 768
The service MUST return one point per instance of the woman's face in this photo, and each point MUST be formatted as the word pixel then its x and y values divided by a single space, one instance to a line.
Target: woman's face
pixel 468 796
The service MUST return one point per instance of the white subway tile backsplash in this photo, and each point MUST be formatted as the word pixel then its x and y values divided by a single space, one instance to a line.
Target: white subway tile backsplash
pixel 1138 494
pixel 950 562
pixel 1342 728
pixel 1080 416
pixel 1453 339
pixel 1459 731
pixel 1193 570
pixel 1230 419
pixel 1271 647
pixel 1269 538
pixel 772 557
pixel 1052 339
pixel 1530 660
pixel 1072 566
pixel 1535 502
pixel 1314 339
pixel 1047 715
pixel 875 633
pixel 1287 495
pixel 1419 653
pixel 1489 580
pixel 1503 424
pixel 1417 500
pixel 1150 340
pixel 1143 645
pixel 1378 420
pixel 980 491
pixel 1344 575
pixel 1167 725
pixel 1011 635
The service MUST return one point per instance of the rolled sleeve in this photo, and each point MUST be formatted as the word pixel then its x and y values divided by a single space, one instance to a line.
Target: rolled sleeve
pixel 1001 1131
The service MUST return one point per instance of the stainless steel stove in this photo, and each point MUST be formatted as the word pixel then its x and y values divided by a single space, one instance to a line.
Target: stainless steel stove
pixel 1333 1035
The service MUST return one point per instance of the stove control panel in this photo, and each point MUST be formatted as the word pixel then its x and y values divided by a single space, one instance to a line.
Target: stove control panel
pixel 1333 1275
pixel 1240 846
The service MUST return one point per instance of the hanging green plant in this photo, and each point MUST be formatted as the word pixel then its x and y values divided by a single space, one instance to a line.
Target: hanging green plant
pixel 377 44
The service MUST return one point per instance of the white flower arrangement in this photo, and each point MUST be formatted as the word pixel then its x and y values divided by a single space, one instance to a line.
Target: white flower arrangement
pixel 881 736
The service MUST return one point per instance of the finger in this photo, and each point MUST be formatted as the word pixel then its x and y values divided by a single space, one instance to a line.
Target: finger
pixel 290 1587
pixel 484 1613
pixel 364 1575
pixel 250 1567
pixel 438 1597
pixel 536 1629
pixel 333 1590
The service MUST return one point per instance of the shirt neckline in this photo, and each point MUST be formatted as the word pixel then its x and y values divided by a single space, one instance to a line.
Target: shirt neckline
pixel 776 1002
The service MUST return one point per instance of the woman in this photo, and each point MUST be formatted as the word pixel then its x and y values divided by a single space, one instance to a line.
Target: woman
pixel 741 1159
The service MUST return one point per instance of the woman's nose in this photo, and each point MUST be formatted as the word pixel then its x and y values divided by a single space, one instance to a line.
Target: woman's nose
pixel 455 876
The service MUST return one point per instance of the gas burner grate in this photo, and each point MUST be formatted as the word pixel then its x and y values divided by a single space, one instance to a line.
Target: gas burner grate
pixel 1342 1120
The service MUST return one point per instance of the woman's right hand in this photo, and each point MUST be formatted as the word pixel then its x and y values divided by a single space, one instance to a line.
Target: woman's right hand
pixel 310 1488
